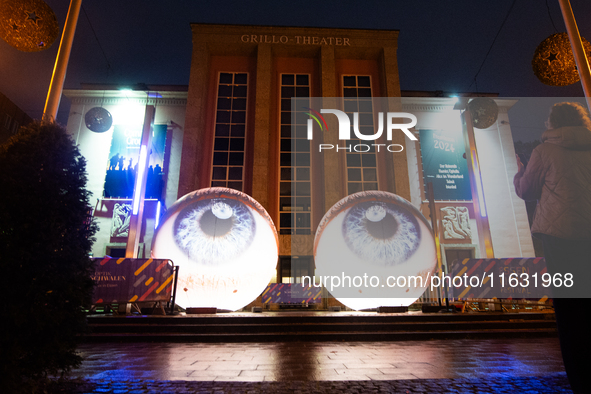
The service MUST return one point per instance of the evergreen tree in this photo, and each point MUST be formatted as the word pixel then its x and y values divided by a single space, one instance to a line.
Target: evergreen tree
pixel 45 239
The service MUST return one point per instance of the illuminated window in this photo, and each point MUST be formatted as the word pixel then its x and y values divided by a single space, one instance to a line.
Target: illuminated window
pixel 294 166
pixel 230 131
pixel 361 166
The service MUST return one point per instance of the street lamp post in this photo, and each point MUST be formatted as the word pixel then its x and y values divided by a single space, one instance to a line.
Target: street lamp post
pixel 577 46
pixel 481 215
pixel 58 77
pixel 139 190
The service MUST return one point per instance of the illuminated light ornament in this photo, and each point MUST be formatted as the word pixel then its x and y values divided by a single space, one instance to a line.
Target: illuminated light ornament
pixel 225 244
pixel 484 112
pixel 380 248
pixel 98 119
pixel 554 63
pixel 28 25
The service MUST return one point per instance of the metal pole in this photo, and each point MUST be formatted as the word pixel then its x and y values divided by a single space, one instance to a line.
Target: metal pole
pixel 176 278
pixel 139 190
pixel 431 199
pixel 577 46
pixel 484 236
pixel 56 85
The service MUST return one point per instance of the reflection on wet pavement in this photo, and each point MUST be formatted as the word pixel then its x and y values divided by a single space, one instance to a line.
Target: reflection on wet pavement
pixel 299 361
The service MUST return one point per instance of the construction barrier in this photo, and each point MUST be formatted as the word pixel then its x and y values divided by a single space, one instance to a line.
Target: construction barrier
pixel 126 280
pixel 509 278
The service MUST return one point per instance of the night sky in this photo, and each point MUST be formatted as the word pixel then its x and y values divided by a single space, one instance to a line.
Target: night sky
pixel 441 46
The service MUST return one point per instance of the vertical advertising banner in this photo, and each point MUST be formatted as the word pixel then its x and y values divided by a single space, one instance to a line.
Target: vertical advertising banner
pixel 444 164
pixel 123 161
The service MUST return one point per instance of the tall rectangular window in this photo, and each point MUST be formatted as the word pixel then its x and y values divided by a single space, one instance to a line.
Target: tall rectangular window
pixel 294 156
pixel 292 268
pixel 7 121
pixel 230 131
pixel 362 171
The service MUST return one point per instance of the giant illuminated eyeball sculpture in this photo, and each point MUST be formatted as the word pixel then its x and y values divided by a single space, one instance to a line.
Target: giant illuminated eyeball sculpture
pixel 225 244
pixel 374 249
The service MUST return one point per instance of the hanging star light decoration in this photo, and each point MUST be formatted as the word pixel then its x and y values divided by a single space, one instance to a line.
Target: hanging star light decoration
pixel 28 25
pixel 33 17
pixel 554 63
pixel 552 57
pixel 484 112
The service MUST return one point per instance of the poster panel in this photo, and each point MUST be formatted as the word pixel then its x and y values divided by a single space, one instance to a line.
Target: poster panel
pixel 291 293
pixel 122 280
pixel 123 161
pixel 444 165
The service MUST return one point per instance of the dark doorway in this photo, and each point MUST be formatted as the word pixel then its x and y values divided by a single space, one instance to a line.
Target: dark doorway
pixel 456 256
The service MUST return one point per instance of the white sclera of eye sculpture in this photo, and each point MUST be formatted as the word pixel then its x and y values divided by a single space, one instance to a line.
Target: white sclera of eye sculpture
pixel 225 244
pixel 374 234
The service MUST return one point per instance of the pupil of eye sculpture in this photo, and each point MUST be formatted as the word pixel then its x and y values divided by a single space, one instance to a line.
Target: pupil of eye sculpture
pixel 383 229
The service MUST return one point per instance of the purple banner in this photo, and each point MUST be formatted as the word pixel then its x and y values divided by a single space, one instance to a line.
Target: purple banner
pixel 291 293
pixel 131 280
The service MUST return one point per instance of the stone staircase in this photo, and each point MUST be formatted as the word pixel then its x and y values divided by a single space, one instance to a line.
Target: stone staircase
pixel 318 326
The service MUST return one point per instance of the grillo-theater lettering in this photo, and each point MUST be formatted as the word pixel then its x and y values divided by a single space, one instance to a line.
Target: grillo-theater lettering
pixel 297 40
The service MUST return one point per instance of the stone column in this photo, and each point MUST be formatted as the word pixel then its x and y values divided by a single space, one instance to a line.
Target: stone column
pixel 195 158
pixel 261 190
pixel 397 168
pixel 333 181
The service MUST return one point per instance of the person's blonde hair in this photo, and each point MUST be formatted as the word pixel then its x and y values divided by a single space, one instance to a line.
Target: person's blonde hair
pixel 569 114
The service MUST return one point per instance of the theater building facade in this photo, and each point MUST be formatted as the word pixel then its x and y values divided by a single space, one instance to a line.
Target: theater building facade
pixel 234 127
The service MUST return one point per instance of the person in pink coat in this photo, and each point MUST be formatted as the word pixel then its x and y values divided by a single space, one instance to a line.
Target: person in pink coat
pixel 558 176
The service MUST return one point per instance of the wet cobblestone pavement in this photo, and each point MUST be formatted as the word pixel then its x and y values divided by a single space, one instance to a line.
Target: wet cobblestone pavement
pixel 546 384
pixel 439 366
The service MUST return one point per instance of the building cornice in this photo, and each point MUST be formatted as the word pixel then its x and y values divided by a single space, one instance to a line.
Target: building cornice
pixel 115 97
